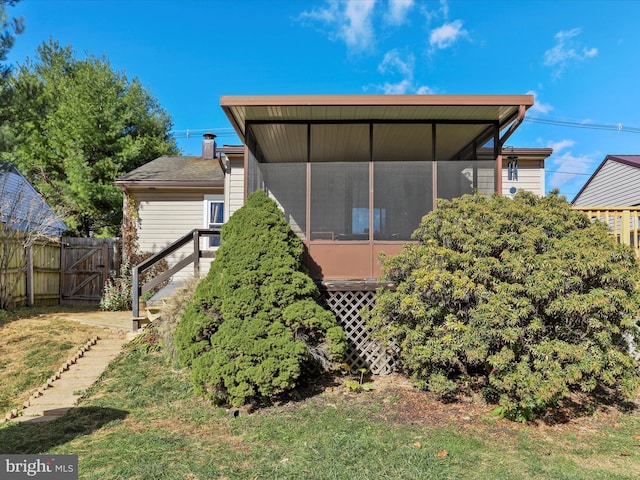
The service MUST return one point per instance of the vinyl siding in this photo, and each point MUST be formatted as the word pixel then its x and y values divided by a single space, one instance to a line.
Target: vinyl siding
pixel 615 184
pixel 234 185
pixel 164 217
pixel 530 178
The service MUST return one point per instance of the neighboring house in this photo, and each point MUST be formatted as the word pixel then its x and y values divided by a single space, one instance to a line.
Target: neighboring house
pixel 23 208
pixel 616 182
pixel 175 194
pixel 523 169
pixel 612 195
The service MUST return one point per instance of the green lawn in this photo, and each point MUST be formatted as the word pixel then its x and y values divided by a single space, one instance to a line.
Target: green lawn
pixel 142 422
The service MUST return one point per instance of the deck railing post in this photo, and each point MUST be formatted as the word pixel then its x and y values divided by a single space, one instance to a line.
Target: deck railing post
pixel 135 292
pixel 196 253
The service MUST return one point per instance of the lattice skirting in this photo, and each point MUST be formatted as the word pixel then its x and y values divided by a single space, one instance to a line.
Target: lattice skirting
pixel 362 351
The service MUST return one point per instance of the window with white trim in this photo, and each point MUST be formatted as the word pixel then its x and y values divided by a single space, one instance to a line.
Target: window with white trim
pixel 214 216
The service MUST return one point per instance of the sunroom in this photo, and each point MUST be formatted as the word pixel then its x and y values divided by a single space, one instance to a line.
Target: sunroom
pixel 355 174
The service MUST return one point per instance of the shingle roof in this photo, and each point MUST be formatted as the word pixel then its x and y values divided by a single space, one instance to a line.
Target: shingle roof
pixel 176 169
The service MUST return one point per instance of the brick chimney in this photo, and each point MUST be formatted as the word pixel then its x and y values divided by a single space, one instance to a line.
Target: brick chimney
pixel 209 146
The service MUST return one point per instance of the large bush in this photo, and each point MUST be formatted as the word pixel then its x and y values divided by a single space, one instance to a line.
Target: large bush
pixel 253 325
pixel 526 300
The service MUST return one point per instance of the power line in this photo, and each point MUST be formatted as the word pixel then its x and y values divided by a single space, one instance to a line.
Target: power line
pixel 223 132
pixel 571 173
pixel 619 127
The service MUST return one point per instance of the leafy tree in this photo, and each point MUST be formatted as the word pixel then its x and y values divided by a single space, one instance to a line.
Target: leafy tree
pixel 253 325
pixel 76 126
pixel 9 28
pixel 525 299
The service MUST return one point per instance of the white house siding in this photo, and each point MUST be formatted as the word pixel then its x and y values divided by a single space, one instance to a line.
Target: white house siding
pixel 615 184
pixel 234 185
pixel 530 178
pixel 164 217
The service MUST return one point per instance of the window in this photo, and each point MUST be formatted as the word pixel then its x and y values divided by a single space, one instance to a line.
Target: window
pixel 214 217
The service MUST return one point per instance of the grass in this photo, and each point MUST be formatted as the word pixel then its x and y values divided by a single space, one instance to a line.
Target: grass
pixel 34 343
pixel 141 421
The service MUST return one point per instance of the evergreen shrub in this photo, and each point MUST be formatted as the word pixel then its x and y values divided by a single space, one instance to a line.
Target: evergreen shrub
pixel 253 327
pixel 525 300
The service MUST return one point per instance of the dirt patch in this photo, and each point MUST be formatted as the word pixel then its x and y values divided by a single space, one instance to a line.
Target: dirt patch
pixel 398 402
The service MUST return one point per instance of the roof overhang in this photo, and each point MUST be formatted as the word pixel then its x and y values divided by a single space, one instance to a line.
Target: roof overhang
pixel 475 116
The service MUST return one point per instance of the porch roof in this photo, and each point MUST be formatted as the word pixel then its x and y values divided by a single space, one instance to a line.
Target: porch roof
pixel 470 113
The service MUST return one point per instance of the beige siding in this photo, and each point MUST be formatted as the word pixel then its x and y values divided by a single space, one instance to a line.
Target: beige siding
pixel 234 185
pixel 165 216
pixel 615 184
pixel 530 178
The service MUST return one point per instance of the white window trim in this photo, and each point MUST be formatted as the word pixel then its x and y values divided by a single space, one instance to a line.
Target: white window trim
pixel 208 200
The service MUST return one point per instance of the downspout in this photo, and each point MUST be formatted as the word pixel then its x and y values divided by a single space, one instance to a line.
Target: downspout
pixel 512 128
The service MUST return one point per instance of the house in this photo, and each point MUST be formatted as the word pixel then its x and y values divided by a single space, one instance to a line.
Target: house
pixel 616 182
pixel 23 208
pixel 353 175
pixel 175 194
pixel 612 195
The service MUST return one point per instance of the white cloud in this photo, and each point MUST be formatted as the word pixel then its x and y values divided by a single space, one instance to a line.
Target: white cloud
pixel 568 168
pixel 425 90
pixel 398 10
pixel 566 51
pixel 538 106
pixel 560 145
pixel 440 13
pixel 446 35
pixel 348 20
pixel 395 63
pixel 402 87
pixel 357 30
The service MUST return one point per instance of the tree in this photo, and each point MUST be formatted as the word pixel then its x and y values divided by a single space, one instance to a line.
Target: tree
pixel 9 28
pixel 253 326
pixel 525 300
pixel 76 126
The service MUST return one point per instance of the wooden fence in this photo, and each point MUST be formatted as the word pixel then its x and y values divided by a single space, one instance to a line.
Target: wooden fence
pixel 69 271
pixel 624 223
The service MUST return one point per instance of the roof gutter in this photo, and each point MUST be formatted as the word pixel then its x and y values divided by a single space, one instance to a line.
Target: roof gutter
pixel 143 184
pixel 516 123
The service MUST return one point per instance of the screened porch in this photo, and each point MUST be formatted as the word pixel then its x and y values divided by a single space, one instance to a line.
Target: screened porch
pixel 354 175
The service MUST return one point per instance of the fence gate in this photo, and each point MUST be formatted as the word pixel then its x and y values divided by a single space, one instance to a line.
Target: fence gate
pixel 86 263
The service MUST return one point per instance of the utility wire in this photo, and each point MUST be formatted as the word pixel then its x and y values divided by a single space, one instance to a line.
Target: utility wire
pixel 592 126
pixel 619 127
pixel 198 132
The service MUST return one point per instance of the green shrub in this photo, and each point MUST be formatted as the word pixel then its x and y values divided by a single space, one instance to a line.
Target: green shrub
pixel 525 299
pixel 253 326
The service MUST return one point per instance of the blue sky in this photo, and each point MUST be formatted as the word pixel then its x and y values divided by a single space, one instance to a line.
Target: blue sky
pixel 580 58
